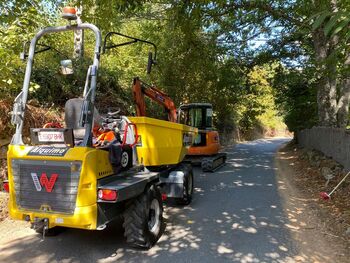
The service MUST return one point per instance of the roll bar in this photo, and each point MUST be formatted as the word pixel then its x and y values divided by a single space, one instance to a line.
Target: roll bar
pixel 89 99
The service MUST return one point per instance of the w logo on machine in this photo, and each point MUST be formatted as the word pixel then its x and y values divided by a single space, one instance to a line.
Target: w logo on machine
pixel 44 181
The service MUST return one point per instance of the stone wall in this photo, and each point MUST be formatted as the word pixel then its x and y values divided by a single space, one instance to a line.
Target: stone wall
pixel 333 142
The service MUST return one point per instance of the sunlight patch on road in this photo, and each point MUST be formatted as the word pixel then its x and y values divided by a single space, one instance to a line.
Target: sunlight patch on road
pixel 283 248
pixel 224 250
pixel 250 230
pixel 292 227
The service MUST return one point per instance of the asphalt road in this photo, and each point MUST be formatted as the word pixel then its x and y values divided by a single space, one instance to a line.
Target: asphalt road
pixel 236 216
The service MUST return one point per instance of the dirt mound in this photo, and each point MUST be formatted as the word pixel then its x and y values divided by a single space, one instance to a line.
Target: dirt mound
pixel 3 206
pixel 6 128
pixel 35 117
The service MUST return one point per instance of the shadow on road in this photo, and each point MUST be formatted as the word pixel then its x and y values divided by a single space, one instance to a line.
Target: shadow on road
pixel 236 216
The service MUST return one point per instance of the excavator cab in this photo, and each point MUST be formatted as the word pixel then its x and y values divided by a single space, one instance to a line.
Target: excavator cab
pixel 200 115
pixel 206 146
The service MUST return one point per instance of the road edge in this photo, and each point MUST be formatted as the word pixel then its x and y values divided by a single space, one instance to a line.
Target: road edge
pixel 314 241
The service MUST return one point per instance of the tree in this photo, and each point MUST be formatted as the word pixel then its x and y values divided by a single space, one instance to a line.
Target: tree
pixel 201 56
pixel 333 61
pixel 293 40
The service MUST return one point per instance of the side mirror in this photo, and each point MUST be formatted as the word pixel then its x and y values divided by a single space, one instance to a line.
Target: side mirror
pixel 150 62
pixel 67 67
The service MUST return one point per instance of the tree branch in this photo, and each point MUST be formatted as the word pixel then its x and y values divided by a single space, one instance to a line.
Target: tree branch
pixel 256 5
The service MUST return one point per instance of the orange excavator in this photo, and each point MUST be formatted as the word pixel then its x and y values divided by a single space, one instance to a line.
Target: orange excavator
pixel 140 89
pixel 205 150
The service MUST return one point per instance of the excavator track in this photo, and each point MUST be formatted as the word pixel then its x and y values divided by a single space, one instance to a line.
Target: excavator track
pixel 212 163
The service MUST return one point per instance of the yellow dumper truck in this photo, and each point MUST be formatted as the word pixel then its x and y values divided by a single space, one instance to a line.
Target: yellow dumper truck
pixel 92 169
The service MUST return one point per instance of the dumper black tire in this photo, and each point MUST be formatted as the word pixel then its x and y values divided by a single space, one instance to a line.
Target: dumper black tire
pixel 187 190
pixel 143 219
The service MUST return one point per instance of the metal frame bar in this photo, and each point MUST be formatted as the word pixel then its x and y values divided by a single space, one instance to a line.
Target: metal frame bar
pixel 45 48
pixel 135 40
pixel 22 98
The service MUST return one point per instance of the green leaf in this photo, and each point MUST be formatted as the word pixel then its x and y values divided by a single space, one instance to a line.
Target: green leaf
pixel 318 22
pixel 347 36
pixel 311 18
pixel 331 23
pixel 341 26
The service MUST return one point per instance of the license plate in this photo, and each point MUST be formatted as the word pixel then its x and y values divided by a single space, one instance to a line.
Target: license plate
pixel 50 136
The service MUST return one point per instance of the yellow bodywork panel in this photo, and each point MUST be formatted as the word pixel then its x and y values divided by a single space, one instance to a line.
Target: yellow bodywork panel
pixel 94 165
pixel 162 142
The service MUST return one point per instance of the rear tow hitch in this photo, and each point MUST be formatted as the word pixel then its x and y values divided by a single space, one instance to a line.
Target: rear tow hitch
pixel 41 225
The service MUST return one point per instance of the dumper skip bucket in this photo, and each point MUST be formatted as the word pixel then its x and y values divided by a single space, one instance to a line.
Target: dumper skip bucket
pixel 162 142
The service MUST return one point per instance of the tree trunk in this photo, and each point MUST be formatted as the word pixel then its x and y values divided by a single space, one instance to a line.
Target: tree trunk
pixel 343 104
pixel 331 112
pixel 344 100
pixel 324 85
pixel 332 83
pixel 323 102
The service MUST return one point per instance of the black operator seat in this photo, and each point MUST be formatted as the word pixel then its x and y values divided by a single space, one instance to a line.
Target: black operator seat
pixel 72 110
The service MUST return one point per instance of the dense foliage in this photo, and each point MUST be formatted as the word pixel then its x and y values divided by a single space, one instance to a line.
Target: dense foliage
pixel 256 61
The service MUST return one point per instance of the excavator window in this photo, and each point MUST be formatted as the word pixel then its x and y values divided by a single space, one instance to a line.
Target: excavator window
pixel 209 118
pixel 199 117
pixel 195 117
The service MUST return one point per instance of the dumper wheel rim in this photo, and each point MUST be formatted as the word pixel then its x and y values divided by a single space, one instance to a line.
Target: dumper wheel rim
pixel 124 159
pixel 143 219
pixel 153 217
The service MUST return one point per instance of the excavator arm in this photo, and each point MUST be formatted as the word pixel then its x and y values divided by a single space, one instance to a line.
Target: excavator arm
pixel 141 89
